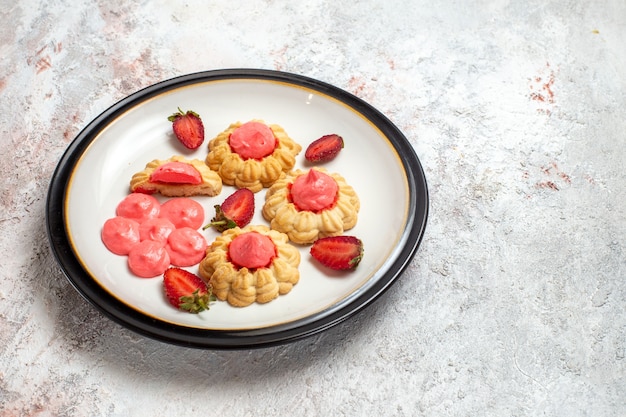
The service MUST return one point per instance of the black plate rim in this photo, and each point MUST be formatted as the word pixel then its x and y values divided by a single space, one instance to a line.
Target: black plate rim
pixel 124 315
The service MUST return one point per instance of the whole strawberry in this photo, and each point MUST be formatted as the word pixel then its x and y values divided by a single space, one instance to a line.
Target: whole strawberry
pixel 188 128
pixel 186 291
pixel 324 149
pixel 236 211
pixel 338 252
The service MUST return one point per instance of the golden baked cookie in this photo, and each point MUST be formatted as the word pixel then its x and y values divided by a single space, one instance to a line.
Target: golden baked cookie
pixel 306 225
pixel 177 177
pixel 255 172
pixel 241 286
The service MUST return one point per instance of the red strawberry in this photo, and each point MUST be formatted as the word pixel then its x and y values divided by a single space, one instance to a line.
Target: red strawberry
pixel 186 291
pixel 188 128
pixel 236 211
pixel 338 252
pixel 324 149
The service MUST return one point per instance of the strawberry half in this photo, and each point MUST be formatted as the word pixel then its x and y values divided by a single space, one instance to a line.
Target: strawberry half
pixel 186 291
pixel 324 149
pixel 188 128
pixel 236 211
pixel 338 252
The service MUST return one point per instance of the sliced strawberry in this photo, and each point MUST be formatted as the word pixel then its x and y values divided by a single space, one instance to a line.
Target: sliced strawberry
pixel 176 173
pixel 338 252
pixel 186 291
pixel 236 211
pixel 188 128
pixel 324 149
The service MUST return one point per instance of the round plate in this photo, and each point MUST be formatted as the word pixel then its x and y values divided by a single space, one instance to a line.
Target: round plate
pixel 93 176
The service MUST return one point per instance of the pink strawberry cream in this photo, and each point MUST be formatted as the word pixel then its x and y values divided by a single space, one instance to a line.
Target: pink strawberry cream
pixel 176 173
pixel 314 191
pixel 138 206
pixel 157 229
pixel 120 234
pixel 155 236
pixel 252 140
pixel 186 247
pixel 183 212
pixel 148 259
pixel 252 250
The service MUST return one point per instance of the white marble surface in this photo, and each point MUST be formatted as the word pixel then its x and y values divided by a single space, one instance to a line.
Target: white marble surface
pixel 515 302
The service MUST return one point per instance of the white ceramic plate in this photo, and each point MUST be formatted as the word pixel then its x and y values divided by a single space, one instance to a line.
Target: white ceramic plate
pixel 93 177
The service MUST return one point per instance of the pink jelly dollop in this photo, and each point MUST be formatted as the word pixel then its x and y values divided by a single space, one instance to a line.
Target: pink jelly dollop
pixel 138 206
pixel 186 247
pixel 252 140
pixel 314 191
pixel 252 250
pixel 148 259
pixel 183 212
pixel 155 236
pixel 120 234
pixel 176 173
pixel 157 229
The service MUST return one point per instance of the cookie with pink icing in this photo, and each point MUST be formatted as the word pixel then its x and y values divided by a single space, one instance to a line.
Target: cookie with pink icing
pixel 176 177
pixel 308 205
pixel 250 264
pixel 252 155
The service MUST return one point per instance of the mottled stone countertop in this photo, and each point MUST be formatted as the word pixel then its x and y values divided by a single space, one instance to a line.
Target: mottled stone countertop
pixel 515 304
